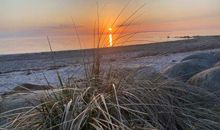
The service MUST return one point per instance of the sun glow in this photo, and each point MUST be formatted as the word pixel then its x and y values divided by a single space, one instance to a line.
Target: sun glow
pixel 110 37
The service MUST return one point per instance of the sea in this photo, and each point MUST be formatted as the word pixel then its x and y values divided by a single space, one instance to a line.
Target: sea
pixel 37 44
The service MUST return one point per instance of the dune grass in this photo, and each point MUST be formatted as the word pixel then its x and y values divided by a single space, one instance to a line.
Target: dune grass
pixel 121 104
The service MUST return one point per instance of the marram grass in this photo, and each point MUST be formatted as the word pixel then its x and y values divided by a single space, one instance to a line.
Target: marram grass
pixel 121 105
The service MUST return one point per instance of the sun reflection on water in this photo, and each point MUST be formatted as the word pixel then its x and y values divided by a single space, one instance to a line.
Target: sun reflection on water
pixel 110 37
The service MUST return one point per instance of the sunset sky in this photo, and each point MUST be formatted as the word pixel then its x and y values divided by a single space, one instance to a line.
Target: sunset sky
pixel 32 18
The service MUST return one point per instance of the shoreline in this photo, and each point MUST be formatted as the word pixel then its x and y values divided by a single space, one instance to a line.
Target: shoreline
pixel 31 68
pixel 121 46
pixel 116 47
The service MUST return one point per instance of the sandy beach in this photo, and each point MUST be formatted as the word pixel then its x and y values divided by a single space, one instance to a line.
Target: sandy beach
pixel 33 68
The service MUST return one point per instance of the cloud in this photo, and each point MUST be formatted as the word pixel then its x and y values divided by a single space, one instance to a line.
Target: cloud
pixel 41 31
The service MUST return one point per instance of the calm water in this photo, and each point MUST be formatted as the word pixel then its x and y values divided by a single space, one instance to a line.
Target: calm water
pixel 39 44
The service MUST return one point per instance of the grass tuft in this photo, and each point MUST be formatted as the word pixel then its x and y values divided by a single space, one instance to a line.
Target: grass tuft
pixel 122 105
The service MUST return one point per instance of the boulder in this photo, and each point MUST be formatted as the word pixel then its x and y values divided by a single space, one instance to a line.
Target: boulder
pixel 186 69
pixel 145 73
pixel 16 103
pixel 31 87
pixel 208 79
pixel 138 73
pixel 217 54
pixel 16 100
pixel 217 64
pixel 210 57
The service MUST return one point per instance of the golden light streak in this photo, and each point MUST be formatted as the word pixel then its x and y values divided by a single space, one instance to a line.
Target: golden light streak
pixel 110 37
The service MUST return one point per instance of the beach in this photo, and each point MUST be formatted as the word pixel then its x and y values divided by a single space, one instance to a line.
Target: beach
pixel 41 68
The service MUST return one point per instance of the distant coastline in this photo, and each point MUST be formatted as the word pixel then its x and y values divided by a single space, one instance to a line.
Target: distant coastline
pixel 181 40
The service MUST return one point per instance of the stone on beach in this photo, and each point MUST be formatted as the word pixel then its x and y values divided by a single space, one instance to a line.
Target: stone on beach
pixel 31 87
pixel 192 65
pixel 18 100
pixel 210 57
pixel 217 54
pixel 186 69
pixel 217 64
pixel 208 79
pixel 145 73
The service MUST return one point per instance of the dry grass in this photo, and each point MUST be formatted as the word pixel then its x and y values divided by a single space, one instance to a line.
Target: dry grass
pixel 121 104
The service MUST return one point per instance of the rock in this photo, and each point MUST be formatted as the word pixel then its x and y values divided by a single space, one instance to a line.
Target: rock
pixel 192 65
pixel 28 72
pixel 16 100
pixel 210 57
pixel 217 54
pixel 186 69
pixel 0 98
pixel 218 63
pixel 131 75
pixel 31 87
pixel 208 79
pixel 16 103
pixel 173 60
pixel 23 99
pixel 145 73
